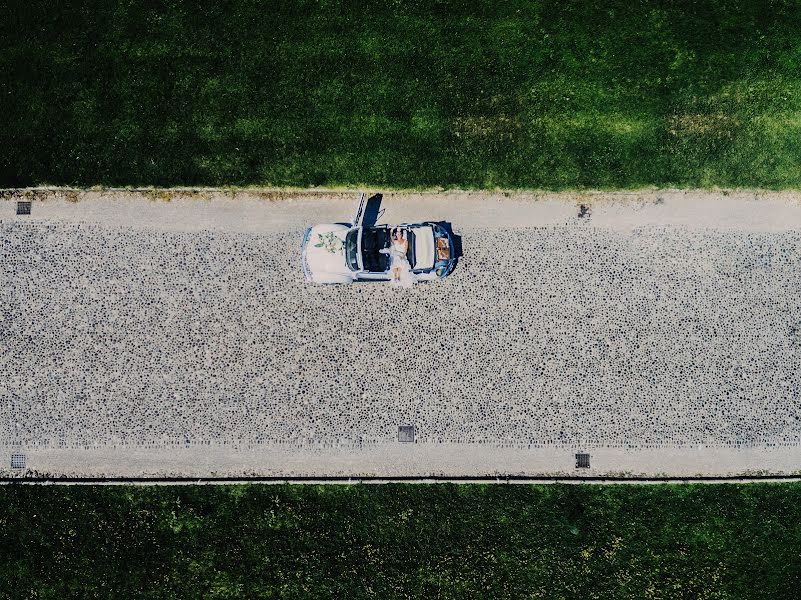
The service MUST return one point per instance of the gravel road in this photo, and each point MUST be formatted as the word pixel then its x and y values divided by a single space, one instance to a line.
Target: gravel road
pixel 596 323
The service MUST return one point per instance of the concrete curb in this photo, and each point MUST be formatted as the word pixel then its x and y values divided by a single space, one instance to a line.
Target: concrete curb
pixel 402 480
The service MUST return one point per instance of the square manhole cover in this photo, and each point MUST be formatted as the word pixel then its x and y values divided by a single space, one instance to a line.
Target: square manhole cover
pixel 582 461
pixel 17 461
pixel 406 433
pixel 23 208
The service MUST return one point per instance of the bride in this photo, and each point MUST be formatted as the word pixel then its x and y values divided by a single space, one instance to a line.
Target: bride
pixel 402 275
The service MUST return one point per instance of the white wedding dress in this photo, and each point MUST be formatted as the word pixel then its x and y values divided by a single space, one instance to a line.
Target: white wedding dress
pixel 398 259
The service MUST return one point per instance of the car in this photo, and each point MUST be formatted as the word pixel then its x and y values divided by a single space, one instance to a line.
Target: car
pixel 349 252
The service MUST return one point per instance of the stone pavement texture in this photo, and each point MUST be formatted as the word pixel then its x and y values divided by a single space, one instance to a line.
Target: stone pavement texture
pixel 140 336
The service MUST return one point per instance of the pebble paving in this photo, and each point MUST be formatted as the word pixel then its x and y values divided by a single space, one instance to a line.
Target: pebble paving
pixel 542 336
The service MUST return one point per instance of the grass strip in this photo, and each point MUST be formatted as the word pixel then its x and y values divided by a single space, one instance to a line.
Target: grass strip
pixel 395 541
pixel 515 94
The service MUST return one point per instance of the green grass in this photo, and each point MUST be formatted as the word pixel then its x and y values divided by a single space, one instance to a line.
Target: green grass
pixel 414 93
pixel 395 541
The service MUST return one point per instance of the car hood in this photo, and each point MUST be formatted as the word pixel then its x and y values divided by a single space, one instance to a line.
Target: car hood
pixel 319 256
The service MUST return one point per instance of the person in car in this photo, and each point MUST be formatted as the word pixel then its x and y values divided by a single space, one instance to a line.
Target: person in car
pixel 400 268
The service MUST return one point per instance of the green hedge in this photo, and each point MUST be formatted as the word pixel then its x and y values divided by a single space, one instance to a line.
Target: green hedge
pixel 413 93
pixel 395 541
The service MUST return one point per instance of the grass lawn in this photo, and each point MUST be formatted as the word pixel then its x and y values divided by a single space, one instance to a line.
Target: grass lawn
pixel 395 541
pixel 419 93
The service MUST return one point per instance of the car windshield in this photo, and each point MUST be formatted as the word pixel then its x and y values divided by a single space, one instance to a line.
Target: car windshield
pixel 352 249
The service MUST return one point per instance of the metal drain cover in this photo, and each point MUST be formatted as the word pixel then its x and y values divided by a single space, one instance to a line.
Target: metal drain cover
pixel 582 461
pixel 23 208
pixel 17 461
pixel 406 433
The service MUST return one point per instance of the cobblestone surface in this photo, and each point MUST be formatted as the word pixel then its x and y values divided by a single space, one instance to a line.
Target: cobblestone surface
pixel 553 335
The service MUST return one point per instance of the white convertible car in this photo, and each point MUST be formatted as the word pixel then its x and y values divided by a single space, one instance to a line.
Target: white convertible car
pixel 346 252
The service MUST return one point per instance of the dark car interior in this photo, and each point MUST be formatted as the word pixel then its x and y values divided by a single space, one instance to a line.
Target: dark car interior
pixel 375 239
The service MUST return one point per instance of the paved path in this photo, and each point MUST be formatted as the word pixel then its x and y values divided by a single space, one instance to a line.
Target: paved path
pixel 660 332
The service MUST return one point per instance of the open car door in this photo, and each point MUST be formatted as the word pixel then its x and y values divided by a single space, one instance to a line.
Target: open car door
pixel 359 210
